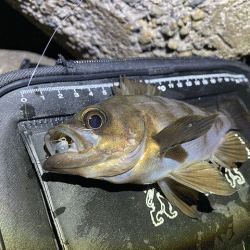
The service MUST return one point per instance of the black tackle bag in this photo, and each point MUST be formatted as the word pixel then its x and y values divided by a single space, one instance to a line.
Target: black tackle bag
pixel 41 210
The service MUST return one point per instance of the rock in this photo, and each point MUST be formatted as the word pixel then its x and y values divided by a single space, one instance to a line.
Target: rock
pixel 199 44
pixel 125 28
pixel 206 31
pixel 184 31
pixel 186 19
pixel 173 44
pixel 156 11
pixel 196 25
pixel 157 1
pixel 185 53
pixel 145 37
pixel 173 25
pixel 166 31
pixel 195 3
pixel 11 59
pixel 159 53
pixel 160 43
pixel 197 15
pixel 180 23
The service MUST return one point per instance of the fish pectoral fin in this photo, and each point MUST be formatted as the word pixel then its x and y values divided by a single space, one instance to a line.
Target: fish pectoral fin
pixel 232 148
pixel 184 129
pixel 180 196
pixel 135 87
pixel 203 177
pixel 177 153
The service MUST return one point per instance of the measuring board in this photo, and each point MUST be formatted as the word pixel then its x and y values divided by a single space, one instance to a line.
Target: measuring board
pixel 49 104
pixel 164 84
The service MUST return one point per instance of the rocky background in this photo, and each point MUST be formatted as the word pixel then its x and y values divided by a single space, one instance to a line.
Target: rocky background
pixel 140 28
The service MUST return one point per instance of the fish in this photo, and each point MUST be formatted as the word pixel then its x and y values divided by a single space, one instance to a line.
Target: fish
pixel 138 136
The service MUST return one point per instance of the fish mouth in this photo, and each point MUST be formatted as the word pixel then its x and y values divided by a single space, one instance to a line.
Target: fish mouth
pixel 61 142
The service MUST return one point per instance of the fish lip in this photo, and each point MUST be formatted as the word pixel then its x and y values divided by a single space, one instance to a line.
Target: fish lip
pixel 50 163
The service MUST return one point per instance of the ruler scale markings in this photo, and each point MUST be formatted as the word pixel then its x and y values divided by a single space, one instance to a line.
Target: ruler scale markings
pixel 195 77
pixel 168 81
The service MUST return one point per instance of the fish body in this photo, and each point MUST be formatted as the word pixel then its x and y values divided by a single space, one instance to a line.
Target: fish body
pixel 144 139
pixel 156 114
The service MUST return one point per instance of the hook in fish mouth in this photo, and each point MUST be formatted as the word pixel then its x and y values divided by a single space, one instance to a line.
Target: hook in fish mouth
pixel 61 145
pixel 62 139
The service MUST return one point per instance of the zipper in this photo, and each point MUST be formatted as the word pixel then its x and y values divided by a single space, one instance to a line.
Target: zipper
pixel 61 60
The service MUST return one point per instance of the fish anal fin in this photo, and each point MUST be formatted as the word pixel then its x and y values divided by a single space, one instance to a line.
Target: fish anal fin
pixel 167 187
pixel 232 149
pixel 135 87
pixel 203 177
pixel 184 129
pixel 177 153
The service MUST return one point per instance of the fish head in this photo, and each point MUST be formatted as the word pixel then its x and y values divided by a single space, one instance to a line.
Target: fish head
pixel 100 141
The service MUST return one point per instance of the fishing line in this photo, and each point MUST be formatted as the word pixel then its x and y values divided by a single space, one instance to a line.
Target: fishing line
pixel 45 49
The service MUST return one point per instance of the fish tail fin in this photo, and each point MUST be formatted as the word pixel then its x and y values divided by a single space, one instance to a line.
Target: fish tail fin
pixel 233 148
pixel 236 111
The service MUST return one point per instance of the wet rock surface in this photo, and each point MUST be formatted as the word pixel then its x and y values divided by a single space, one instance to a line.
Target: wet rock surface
pixel 121 29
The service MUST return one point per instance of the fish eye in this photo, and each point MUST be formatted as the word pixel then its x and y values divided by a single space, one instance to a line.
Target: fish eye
pixel 94 118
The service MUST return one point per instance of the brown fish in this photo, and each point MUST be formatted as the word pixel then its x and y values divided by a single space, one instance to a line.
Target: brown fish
pixel 138 136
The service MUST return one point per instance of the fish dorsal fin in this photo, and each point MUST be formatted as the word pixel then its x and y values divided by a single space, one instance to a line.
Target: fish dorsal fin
pixel 232 148
pixel 135 87
pixel 203 177
pixel 184 129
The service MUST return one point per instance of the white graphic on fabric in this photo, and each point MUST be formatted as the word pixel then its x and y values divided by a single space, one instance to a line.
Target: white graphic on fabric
pixel 234 177
pixel 157 216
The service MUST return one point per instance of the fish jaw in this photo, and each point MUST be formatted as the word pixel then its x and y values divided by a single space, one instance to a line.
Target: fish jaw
pixel 64 143
pixel 72 162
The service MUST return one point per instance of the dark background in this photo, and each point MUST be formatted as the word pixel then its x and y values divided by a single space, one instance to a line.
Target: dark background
pixel 17 33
